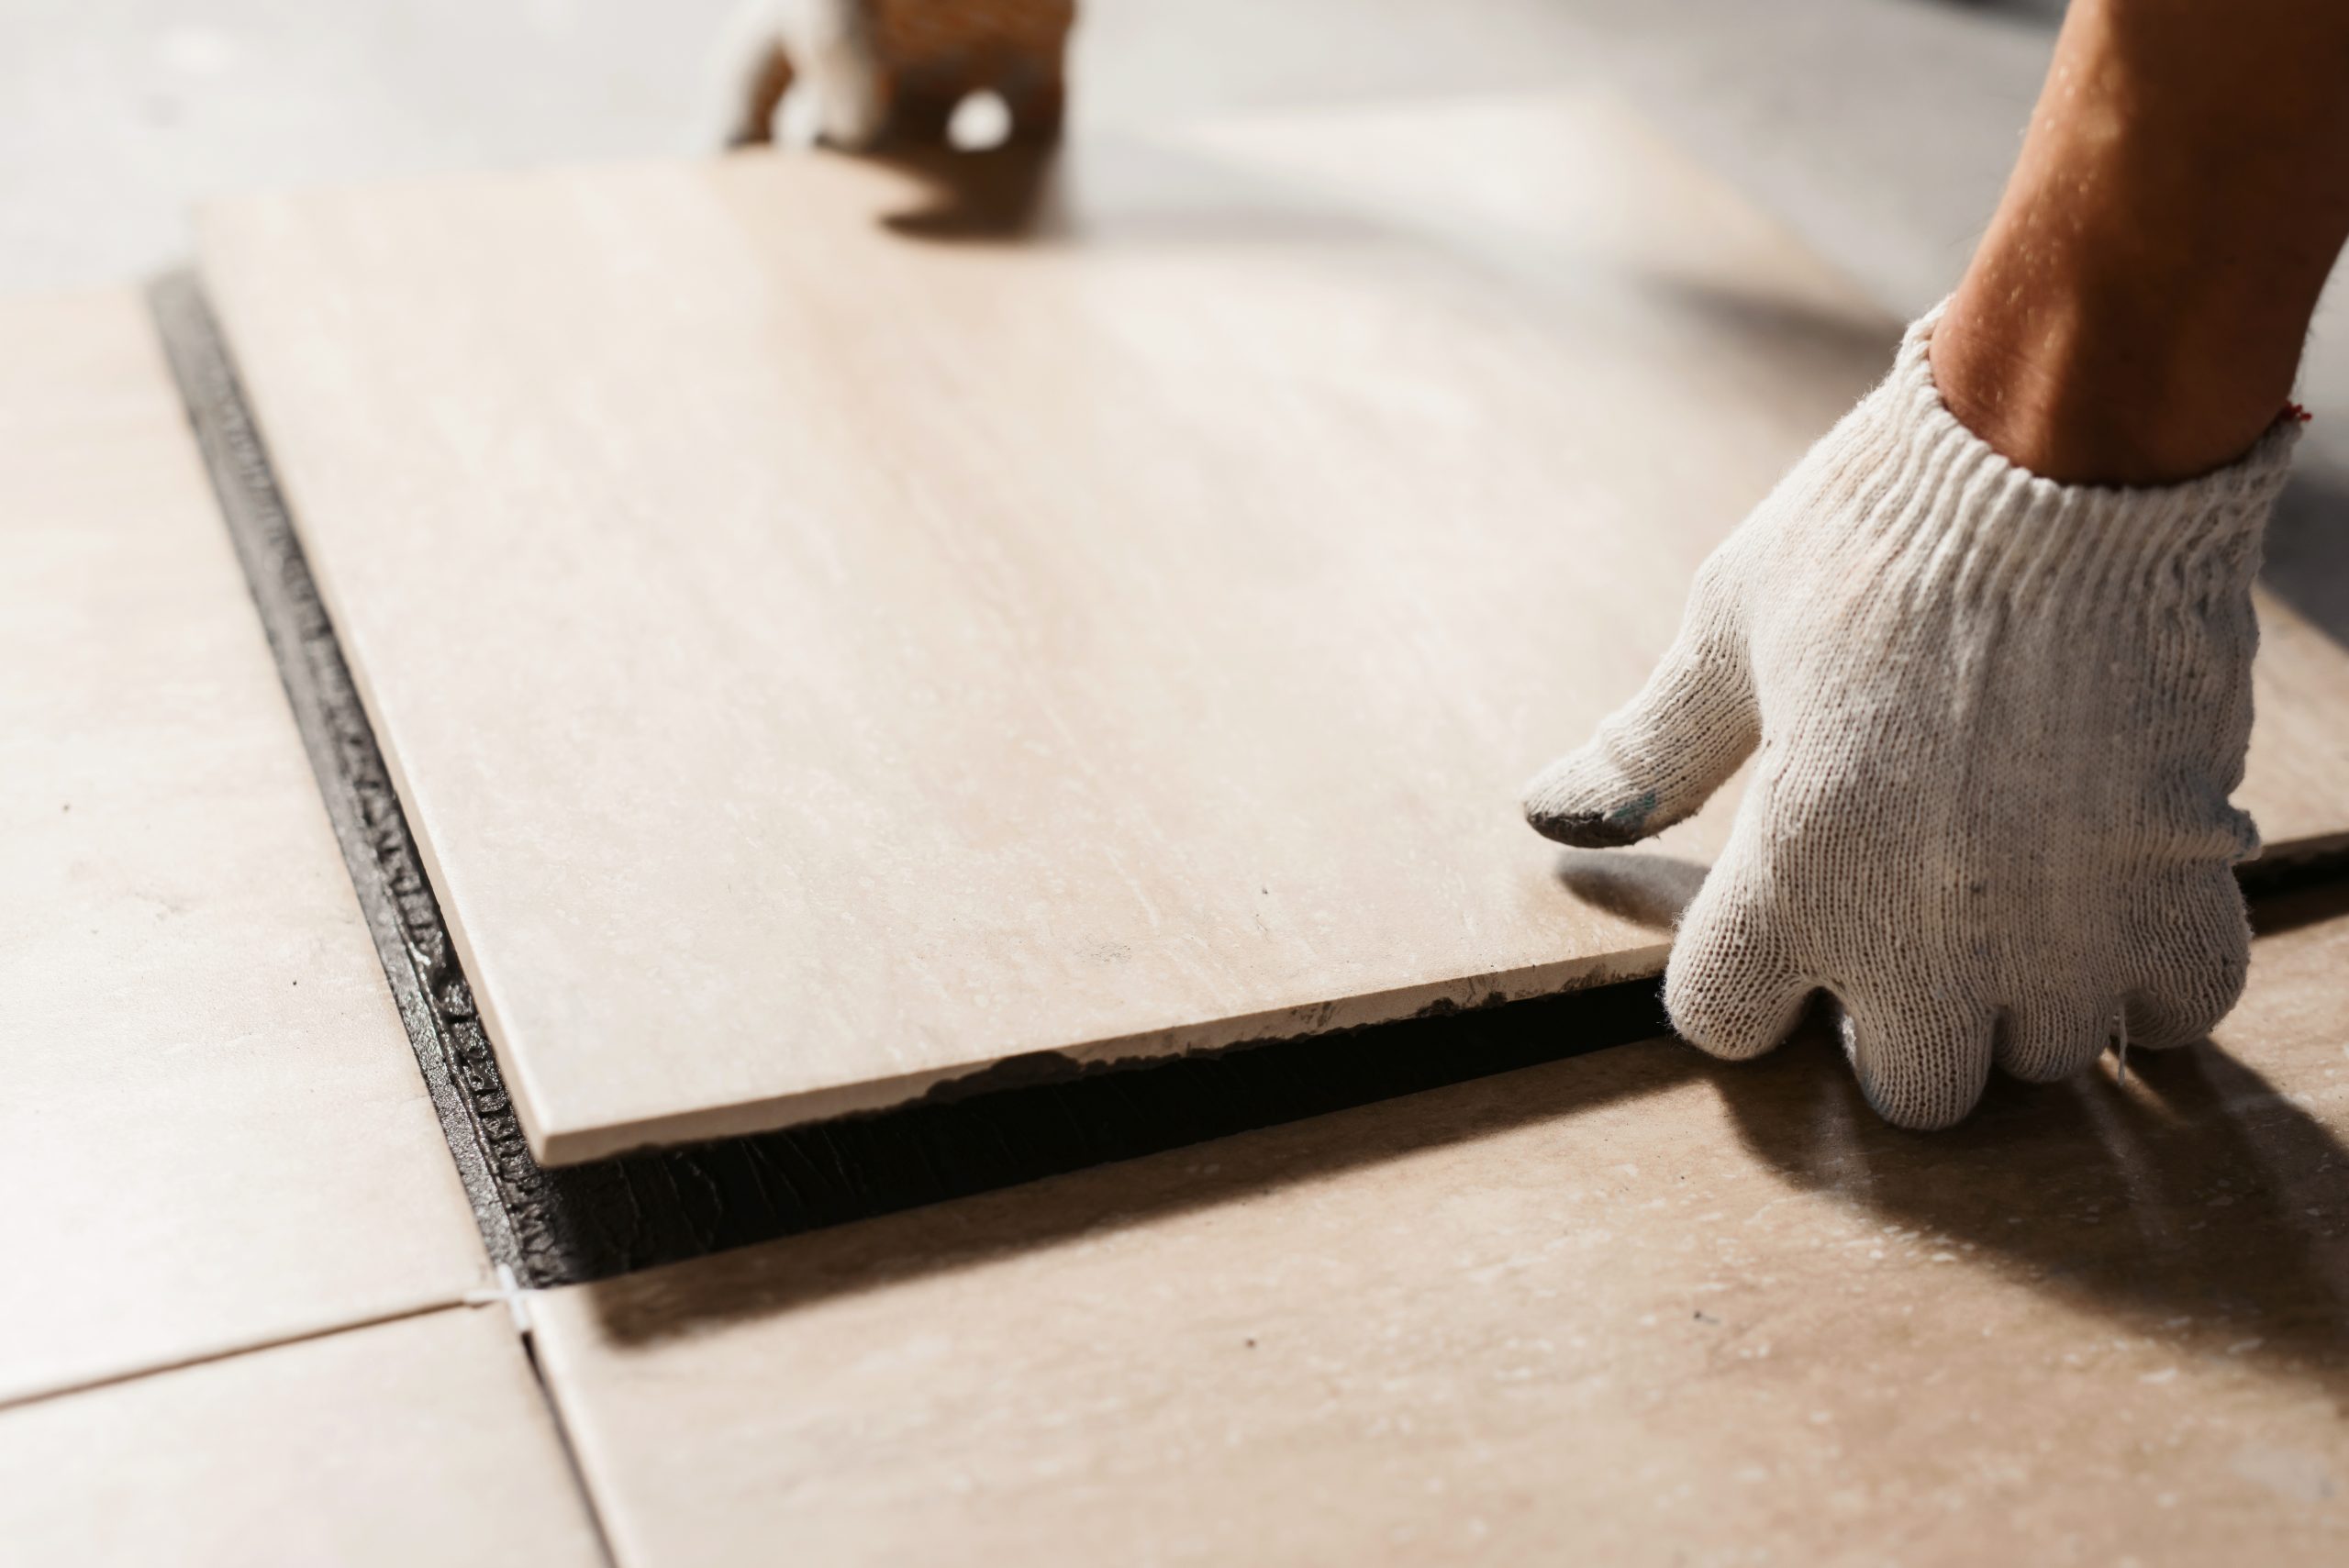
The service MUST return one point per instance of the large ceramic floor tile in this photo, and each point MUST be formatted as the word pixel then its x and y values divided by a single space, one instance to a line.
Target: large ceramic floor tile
pixel 1634 1307
pixel 834 633
pixel 829 641
pixel 212 1131
pixel 425 1440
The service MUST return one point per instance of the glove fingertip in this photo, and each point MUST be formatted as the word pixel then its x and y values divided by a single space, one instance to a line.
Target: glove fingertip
pixel 1590 805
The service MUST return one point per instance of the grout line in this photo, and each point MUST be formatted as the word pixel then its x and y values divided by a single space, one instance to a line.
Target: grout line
pixel 230 1352
pixel 508 1292
pixel 394 895
pixel 513 1296
pixel 518 1299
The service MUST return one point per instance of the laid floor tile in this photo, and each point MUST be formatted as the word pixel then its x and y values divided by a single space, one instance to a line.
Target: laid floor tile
pixel 421 1441
pixel 837 626
pixel 212 1131
pixel 1636 1307
pixel 826 647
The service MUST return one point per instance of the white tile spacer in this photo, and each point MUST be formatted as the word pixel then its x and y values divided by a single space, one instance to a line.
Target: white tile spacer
pixel 509 1291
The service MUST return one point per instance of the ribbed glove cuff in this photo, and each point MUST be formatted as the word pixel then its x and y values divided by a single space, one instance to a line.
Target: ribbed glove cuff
pixel 1914 456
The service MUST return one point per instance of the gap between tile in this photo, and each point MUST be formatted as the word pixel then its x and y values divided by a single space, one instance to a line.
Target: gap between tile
pixel 226 1352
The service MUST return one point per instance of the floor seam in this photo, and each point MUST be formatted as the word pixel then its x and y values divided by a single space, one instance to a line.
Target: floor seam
pixel 456 1303
pixel 526 1330
pixel 394 896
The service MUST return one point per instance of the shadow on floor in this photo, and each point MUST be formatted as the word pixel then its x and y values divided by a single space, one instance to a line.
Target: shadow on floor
pixel 645 1308
pixel 1638 886
pixel 2191 1203
pixel 1004 194
pixel 1111 191
pixel 1043 1119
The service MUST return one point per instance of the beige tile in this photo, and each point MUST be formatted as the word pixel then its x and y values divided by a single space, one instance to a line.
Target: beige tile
pixel 1632 1308
pixel 425 1440
pixel 825 649
pixel 2300 752
pixel 827 646
pixel 212 1131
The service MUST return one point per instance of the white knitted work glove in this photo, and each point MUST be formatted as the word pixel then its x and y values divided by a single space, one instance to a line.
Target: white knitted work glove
pixel 2000 718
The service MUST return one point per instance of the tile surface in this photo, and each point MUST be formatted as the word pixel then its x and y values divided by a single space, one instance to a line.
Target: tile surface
pixel 834 635
pixel 212 1131
pixel 425 1440
pixel 827 646
pixel 1635 1306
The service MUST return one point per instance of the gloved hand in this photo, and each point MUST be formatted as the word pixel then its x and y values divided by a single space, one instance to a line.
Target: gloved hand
pixel 892 72
pixel 2000 718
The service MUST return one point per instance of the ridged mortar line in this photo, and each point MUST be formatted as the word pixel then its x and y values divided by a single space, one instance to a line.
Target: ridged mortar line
pixel 394 895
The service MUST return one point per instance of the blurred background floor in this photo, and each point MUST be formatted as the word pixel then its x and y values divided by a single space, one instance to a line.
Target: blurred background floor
pixel 1880 129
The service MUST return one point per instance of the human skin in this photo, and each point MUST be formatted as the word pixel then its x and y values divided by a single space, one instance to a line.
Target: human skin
pixel 2137 310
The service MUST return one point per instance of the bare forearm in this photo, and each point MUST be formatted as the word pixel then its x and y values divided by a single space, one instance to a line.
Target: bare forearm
pixel 2136 311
